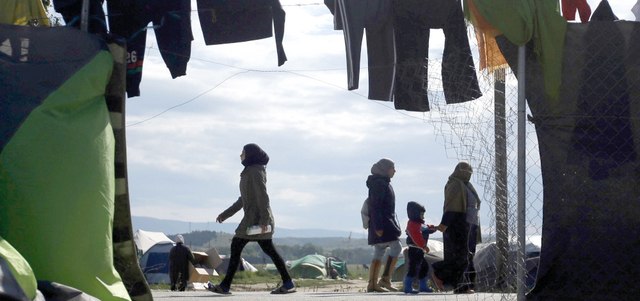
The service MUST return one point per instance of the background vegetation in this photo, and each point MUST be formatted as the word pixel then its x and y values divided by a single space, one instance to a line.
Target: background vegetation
pixel 353 251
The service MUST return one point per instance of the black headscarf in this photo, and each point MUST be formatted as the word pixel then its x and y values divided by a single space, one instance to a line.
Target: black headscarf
pixel 254 155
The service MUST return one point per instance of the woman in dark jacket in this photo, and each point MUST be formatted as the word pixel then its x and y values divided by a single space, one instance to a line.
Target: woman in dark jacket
pixel 257 212
pixel 461 232
pixel 384 230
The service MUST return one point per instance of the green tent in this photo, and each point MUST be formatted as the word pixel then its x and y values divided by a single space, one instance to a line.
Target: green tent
pixel 310 266
pixel 339 265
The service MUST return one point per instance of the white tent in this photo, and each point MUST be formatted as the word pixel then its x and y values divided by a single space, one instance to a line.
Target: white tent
pixel 146 239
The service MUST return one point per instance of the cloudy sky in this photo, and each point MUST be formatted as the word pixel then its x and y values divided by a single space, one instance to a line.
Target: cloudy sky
pixel 185 135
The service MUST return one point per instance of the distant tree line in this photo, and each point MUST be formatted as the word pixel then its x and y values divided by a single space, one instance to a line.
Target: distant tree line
pixel 203 240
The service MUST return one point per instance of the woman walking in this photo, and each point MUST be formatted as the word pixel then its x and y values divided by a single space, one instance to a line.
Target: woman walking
pixel 461 232
pixel 257 213
pixel 384 230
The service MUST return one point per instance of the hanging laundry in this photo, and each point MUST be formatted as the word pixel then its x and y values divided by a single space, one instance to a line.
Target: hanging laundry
pixel 232 21
pixel 489 54
pixel 172 26
pixel 569 8
pixel 604 12
pixel 413 21
pixel 334 8
pixel 71 11
pixel 20 12
pixel 375 17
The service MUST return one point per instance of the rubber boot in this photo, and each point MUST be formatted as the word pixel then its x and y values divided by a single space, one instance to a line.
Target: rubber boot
pixel 373 277
pixel 408 285
pixel 385 280
pixel 424 287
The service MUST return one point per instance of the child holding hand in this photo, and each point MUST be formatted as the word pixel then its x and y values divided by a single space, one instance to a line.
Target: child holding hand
pixel 417 237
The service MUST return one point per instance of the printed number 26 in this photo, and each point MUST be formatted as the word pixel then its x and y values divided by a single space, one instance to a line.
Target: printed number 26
pixel 132 57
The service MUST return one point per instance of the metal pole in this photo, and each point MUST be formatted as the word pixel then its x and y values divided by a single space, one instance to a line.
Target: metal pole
pixel 521 172
pixel 84 21
pixel 502 208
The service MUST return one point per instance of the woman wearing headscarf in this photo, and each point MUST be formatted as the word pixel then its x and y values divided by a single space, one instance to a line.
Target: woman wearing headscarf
pixel 461 232
pixel 257 213
pixel 384 230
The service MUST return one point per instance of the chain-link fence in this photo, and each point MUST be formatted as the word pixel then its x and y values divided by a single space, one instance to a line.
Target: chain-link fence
pixel 582 173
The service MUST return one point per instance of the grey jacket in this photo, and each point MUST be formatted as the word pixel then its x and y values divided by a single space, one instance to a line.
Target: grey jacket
pixel 254 201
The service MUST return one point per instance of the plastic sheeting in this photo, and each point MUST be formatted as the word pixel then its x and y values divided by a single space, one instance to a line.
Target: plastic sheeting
pixel 57 157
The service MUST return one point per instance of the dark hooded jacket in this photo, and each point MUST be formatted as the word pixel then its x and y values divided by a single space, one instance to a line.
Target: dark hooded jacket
pixel 253 199
pixel 382 208
pixel 417 231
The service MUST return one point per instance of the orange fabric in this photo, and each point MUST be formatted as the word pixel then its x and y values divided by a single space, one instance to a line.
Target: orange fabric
pixel 480 23
pixel 490 56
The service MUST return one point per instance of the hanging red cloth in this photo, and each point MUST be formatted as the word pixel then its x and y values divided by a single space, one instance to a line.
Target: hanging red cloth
pixel 569 8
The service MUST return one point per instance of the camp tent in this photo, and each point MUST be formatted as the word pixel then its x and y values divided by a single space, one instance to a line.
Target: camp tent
pixel 310 266
pixel 337 265
pixel 484 263
pixel 144 240
pixel 154 248
pixel 244 265
pixel 155 263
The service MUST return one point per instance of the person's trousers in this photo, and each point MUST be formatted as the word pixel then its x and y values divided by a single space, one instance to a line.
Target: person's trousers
pixel 418 265
pixel 179 278
pixel 237 244
pixel 459 248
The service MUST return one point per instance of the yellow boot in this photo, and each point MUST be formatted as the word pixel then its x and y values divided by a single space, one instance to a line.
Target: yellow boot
pixel 374 269
pixel 385 280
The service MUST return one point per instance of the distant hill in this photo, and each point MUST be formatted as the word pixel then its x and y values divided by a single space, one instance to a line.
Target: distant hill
pixel 173 227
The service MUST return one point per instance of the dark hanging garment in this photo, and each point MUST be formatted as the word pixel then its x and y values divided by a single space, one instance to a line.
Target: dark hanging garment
pixel 375 18
pixel 413 19
pixel 233 21
pixel 334 8
pixel 589 140
pixel 71 11
pixel 172 26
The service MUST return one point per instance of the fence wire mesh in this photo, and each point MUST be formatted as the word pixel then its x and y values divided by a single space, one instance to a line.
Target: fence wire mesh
pixel 581 176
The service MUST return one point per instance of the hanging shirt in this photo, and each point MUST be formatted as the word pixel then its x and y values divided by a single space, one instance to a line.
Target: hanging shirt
pixel 172 26
pixel 232 21
pixel 569 8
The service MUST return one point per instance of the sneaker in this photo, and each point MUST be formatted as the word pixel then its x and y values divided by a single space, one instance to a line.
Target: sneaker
pixel 218 289
pixel 286 288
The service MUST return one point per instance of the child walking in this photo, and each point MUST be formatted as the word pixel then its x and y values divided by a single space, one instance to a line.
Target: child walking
pixel 417 237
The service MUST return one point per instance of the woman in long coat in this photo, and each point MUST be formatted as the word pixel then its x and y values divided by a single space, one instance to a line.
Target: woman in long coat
pixel 461 232
pixel 255 203
pixel 384 230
